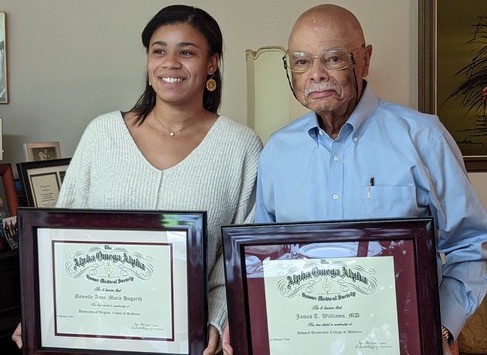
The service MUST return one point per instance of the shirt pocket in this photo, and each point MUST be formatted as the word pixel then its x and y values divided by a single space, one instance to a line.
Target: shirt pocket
pixel 389 202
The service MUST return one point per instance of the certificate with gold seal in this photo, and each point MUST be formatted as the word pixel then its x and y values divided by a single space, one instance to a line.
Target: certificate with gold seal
pixel 114 281
pixel 349 287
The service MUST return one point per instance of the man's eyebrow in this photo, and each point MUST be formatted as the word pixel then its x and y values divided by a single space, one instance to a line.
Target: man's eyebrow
pixel 328 49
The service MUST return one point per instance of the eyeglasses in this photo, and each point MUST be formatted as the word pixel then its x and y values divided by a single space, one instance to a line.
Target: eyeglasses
pixel 301 62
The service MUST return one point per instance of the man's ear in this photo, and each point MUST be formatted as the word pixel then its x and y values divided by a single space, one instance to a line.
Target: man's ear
pixel 366 59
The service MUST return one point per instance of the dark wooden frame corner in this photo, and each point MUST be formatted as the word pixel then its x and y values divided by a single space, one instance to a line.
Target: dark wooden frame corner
pixel 25 169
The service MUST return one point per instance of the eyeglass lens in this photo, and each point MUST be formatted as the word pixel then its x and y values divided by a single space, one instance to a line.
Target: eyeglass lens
pixel 302 61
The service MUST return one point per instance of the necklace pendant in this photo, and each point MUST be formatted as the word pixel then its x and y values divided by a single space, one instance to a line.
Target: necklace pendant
pixel 171 134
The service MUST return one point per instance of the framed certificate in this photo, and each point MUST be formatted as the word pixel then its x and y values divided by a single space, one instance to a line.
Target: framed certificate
pixel 117 282
pixel 41 181
pixel 349 287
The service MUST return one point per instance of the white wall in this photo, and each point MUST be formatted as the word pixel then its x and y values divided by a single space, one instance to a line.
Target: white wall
pixel 479 184
pixel 71 60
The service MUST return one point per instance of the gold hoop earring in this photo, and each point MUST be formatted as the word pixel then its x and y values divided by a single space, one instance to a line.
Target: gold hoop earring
pixel 211 84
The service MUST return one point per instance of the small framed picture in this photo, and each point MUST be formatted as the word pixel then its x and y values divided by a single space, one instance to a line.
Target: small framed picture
pixel 1 139
pixel 3 59
pixel 41 151
pixel 41 181
pixel 10 231
pixel 8 202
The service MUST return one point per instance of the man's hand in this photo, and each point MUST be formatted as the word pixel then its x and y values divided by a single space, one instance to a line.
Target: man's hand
pixel 17 336
pixel 446 347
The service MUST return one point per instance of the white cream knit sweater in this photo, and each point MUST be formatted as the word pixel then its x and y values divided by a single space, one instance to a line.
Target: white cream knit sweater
pixel 108 171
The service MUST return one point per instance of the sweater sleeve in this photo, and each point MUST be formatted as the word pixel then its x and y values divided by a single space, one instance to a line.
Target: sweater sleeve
pixel 75 187
pixel 217 306
pixel 246 203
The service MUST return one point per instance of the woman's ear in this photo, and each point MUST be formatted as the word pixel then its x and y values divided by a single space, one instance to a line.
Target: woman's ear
pixel 213 62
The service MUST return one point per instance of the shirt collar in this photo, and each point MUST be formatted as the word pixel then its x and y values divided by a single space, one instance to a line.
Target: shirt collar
pixel 366 106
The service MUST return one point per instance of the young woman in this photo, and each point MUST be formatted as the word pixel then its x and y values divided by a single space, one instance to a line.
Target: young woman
pixel 172 151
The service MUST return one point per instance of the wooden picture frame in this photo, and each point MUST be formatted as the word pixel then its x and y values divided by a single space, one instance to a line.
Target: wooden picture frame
pixel 7 192
pixel 3 59
pixel 453 70
pixel 1 138
pixel 41 181
pixel 312 298
pixel 41 151
pixel 113 282
pixel 476 164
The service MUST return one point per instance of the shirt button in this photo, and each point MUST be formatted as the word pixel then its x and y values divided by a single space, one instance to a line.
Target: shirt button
pixel 336 158
pixel 355 139
pixel 335 197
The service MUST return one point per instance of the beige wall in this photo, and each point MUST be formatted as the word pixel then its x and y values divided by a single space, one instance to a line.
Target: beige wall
pixel 72 60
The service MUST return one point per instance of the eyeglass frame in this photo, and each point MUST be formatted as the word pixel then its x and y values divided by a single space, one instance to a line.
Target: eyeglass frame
pixel 350 54
pixel 314 57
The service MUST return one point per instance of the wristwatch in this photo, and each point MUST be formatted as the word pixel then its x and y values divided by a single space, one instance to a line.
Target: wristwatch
pixel 445 333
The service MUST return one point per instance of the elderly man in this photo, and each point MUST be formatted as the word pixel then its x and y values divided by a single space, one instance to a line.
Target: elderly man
pixel 356 156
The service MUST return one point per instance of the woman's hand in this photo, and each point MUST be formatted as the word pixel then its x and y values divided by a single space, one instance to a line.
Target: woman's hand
pixel 227 348
pixel 17 336
pixel 213 340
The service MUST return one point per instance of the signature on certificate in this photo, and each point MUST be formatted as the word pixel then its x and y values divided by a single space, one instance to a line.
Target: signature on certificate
pixel 146 327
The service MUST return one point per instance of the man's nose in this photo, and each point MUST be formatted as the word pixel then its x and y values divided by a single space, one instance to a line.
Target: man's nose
pixel 318 71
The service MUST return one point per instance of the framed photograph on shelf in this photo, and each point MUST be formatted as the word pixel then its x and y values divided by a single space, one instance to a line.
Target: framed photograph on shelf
pixel 41 151
pixel 453 72
pixel 41 181
pixel 3 59
pixel 114 282
pixel 8 204
pixel 333 287
pixel 10 231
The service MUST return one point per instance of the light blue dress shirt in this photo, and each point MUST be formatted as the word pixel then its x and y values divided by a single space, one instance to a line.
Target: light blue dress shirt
pixel 389 161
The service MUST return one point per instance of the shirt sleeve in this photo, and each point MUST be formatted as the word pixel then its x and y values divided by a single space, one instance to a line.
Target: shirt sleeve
pixel 264 206
pixel 462 234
